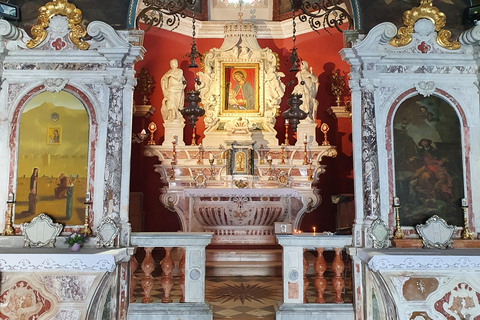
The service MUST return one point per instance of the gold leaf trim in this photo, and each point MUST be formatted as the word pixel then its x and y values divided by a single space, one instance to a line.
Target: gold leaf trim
pixel 425 11
pixel 59 7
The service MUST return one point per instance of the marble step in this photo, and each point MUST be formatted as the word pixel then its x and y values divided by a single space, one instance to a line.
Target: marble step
pixel 259 262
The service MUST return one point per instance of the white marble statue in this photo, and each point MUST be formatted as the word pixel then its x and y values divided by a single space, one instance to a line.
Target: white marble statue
pixel 274 88
pixel 308 87
pixel 173 86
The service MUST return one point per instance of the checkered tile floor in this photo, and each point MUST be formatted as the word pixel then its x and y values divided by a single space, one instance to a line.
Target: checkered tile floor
pixel 245 298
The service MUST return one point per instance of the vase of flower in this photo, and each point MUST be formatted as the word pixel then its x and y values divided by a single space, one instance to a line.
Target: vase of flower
pixel 75 247
pixel 75 241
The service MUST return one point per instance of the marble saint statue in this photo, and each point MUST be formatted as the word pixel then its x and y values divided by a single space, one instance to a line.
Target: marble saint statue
pixel 173 85
pixel 308 87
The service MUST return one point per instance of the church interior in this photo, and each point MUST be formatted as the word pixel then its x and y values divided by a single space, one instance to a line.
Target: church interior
pixel 239 159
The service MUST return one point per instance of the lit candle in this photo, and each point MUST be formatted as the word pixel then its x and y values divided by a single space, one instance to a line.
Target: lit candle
pixel 10 197
pixel 305 137
pixel 286 121
pixel 464 202
pixel 314 230
pixel 396 202
pixel 210 156
pixel 87 197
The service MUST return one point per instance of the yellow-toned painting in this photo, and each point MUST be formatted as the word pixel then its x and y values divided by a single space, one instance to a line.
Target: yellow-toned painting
pixel 52 159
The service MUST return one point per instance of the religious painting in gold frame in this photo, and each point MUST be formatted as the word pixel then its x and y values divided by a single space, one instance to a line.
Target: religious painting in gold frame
pixel 240 88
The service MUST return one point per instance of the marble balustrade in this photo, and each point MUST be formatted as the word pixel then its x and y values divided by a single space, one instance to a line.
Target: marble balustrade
pixel 295 282
pixel 191 278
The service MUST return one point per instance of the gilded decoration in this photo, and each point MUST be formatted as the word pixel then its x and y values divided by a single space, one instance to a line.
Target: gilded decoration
pixel 59 7
pixel 425 11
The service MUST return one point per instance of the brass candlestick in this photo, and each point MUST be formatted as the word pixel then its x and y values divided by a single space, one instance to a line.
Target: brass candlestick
pixel 324 128
pixel 466 234
pixel 194 136
pixel 286 132
pixel 172 176
pixel 212 167
pixel 86 229
pixel 305 157
pixel 200 154
pixel 220 157
pixel 309 170
pixel 282 155
pixel 261 161
pixel 152 127
pixel 398 233
pixel 174 153
pixel 9 230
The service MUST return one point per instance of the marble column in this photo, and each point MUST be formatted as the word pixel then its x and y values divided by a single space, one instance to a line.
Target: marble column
pixel 113 163
pixel 370 174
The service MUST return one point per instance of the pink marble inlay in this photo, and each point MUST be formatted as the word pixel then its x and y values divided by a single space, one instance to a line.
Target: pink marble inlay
pixel 23 302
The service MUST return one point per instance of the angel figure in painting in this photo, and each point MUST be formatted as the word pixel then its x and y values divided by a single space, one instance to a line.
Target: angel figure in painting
pixel 173 85
pixel 307 86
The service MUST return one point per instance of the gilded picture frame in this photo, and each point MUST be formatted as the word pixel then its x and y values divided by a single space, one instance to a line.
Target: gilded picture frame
pixel 240 89
pixel 54 135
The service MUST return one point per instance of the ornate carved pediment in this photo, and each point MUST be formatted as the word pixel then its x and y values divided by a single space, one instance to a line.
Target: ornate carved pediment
pixel 240 79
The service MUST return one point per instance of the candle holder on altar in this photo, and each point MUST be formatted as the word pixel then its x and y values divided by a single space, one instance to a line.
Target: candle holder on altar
pixel 466 234
pixel 220 157
pixel 172 175
pixel 9 230
pixel 305 157
pixel 261 161
pixel 324 128
pixel 88 203
pixel 310 171
pixel 152 127
pixel 282 155
pixel 398 232
pixel 174 153
pixel 338 85
pixel 212 167
pixel 286 132
pixel 200 154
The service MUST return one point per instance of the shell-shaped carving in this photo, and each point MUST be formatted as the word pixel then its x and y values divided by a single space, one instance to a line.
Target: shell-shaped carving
pixel 59 7
pixel 425 11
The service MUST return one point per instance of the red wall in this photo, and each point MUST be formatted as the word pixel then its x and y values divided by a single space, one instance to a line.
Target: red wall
pixel 319 50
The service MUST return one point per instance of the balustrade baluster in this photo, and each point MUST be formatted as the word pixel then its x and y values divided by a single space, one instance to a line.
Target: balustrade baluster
pixel 181 281
pixel 338 282
pixel 320 282
pixel 133 278
pixel 167 266
pixel 305 281
pixel 148 265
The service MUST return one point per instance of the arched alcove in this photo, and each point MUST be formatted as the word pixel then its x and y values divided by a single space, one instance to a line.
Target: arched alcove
pixel 428 161
pixel 52 166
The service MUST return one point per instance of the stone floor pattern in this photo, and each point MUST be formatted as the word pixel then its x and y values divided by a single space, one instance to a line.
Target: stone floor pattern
pixel 244 298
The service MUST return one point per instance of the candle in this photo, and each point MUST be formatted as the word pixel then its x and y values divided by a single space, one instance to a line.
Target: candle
pixel 464 202
pixel 286 121
pixel 210 156
pixel 314 230
pixel 87 197
pixel 174 138
pixel 396 202
pixel 10 197
pixel 305 137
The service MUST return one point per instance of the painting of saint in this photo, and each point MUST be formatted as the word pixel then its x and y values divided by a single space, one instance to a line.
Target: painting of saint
pixel 428 161
pixel 240 94
pixel 54 135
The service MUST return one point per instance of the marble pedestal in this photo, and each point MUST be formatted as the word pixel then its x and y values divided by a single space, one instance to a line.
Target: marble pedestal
pixel 172 129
